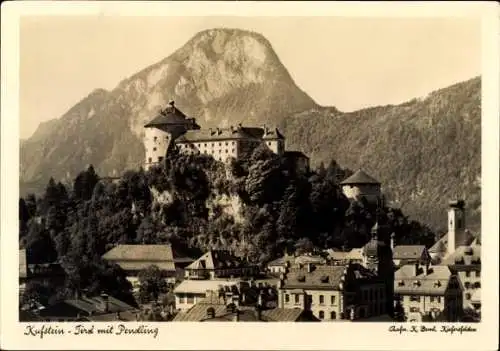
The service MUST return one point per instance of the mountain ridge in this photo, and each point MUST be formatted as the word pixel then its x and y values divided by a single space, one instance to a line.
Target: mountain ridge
pixel 230 76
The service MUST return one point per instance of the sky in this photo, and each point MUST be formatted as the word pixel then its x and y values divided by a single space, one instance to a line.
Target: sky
pixel 347 62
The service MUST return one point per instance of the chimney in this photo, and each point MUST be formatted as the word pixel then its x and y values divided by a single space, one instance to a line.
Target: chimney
pixel 258 313
pixel 415 269
pixel 105 299
pixel 236 316
pixel 211 131
pixel 310 267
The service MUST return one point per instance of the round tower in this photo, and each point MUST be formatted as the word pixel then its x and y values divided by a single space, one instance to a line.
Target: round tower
pixel 162 131
pixel 361 185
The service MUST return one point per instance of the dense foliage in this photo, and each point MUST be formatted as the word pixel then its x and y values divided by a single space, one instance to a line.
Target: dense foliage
pixel 425 151
pixel 257 207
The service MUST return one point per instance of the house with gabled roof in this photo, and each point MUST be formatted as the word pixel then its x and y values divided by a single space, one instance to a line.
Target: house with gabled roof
pixel 425 293
pixel 215 264
pixel 333 293
pixel 135 258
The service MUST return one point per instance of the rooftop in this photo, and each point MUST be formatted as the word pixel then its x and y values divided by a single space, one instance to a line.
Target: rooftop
pixel 354 254
pixel 212 134
pixel 360 177
pixel 464 255
pixel 215 259
pixel 202 286
pixel 321 277
pixel 434 282
pixel 402 252
pixel 137 257
pixel 168 116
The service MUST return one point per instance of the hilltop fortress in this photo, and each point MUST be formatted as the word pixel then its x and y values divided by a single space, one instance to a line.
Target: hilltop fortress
pixel 173 128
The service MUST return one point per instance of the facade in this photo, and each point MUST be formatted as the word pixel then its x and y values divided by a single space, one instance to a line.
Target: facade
pixel 171 128
pixel 190 292
pixel 410 254
pixel 426 293
pixel 333 293
pixel 135 258
pixel 466 263
pixel 362 186
pixel 216 264
pixel 282 264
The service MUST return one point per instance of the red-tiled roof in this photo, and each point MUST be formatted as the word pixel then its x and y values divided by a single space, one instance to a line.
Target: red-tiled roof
pixel 360 177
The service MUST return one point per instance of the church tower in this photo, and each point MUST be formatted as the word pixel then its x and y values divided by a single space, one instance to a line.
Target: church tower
pixel 457 235
pixel 161 132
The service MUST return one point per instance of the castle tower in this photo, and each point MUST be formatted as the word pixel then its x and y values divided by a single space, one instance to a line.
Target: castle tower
pixel 457 234
pixel 361 185
pixel 161 133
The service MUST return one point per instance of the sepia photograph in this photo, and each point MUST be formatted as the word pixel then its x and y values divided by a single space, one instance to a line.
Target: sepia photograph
pixel 248 168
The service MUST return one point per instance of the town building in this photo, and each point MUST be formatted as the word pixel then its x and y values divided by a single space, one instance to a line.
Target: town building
pixel 426 293
pixel 410 254
pixel 466 263
pixel 85 308
pixel 215 308
pixel 360 186
pixel 46 274
pixel 280 265
pixel 216 264
pixel 340 258
pixel 190 292
pixel 333 293
pixel 135 258
pixel 456 236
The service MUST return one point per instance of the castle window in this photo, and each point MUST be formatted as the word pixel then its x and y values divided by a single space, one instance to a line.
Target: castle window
pixel 321 315
pixel 297 298
pixel 467 274
pixel 333 315
pixel 150 160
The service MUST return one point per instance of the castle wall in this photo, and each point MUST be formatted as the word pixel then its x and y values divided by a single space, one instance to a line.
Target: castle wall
pixel 156 142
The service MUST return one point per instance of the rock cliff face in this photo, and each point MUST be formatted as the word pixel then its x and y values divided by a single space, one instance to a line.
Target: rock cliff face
pixel 221 77
pixel 424 151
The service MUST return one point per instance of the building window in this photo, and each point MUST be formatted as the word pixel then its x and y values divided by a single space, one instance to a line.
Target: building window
pixel 160 159
pixel 154 149
pixel 190 298
pixel 287 298
pixel 432 298
pixel 467 285
pixel 269 143
pixel 332 300
pixel 333 315
pixel 219 144
pixel 478 274
pixel 415 298
pixel 321 299
pixel 321 315
pixel 233 143
pixel 227 151
pixel 477 285
pixel 467 296
pixel 155 138
pixel 467 274
pixel 150 160
pixel 297 299
pixel 439 299
pixel 226 143
pixel 414 309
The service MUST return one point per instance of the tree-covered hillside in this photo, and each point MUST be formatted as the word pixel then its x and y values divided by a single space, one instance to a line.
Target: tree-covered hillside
pixel 424 152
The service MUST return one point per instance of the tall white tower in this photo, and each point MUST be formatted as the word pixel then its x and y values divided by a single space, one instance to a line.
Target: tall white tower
pixel 457 234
